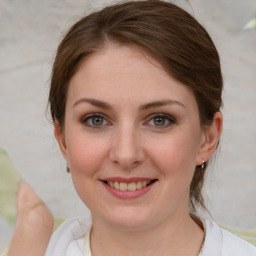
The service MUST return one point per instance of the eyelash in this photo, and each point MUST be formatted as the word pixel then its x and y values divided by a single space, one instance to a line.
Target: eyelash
pixel 171 120
pixel 89 117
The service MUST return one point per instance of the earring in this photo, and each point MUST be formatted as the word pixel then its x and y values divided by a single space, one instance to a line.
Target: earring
pixel 203 165
pixel 68 169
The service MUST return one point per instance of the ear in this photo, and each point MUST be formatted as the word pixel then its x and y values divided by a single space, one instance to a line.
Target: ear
pixel 210 138
pixel 59 135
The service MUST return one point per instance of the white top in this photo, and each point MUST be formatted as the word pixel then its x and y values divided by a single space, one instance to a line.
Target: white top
pixel 73 239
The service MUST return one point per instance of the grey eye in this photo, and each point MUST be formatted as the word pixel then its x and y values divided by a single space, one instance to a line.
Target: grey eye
pixel 94 120
pixel 159 121
pixel 97 121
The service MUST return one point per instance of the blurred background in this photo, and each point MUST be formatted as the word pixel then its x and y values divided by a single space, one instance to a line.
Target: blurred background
pixel 30 33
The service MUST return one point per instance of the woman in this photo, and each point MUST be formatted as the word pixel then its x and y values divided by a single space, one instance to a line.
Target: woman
pixel 135 99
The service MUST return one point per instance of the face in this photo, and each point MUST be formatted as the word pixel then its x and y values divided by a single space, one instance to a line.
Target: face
pixel 132 138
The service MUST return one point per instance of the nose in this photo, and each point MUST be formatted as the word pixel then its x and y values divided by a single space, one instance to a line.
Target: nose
pixel 127 150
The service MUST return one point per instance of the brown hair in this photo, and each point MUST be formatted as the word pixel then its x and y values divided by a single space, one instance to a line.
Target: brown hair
pixel 164 31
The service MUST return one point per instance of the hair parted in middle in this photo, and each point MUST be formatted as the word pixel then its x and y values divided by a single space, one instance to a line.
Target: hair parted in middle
pixel 163 31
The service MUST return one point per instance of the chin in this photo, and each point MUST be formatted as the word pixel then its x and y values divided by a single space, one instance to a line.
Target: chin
pixel 129 219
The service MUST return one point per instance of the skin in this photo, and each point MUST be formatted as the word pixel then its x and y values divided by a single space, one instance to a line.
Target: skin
pixel 34 224
pixel 123 84
pixel 127 144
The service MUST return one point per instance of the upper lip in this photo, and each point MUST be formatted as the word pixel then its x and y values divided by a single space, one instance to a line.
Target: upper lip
pixel 127 180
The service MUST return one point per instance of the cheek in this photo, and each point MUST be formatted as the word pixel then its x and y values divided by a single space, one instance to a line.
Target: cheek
pixel 176 155
pixel 175 161
pixel 85 153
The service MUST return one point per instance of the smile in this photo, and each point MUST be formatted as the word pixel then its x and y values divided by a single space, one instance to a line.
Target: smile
pixel 132 188
pixel 129 186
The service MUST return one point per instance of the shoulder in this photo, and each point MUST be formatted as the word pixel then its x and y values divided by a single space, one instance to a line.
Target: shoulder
pixel 68 239
pixel 221 242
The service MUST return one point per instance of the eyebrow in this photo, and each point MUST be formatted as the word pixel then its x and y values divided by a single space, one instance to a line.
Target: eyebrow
pixel 161 103
pixel 94 102
pixel 105 105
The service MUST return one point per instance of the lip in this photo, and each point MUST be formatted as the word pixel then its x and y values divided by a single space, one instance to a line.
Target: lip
pixel 128 194
pixel 127 180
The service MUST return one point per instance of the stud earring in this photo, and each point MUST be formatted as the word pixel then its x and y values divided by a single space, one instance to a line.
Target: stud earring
pixel 68 169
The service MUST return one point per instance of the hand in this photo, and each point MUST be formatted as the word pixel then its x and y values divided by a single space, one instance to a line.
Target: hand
pixel 34 224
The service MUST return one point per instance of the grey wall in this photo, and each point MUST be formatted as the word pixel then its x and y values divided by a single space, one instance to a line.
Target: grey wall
pixel 30 32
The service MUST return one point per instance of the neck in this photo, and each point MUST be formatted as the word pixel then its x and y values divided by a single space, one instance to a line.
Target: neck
pixel 175 236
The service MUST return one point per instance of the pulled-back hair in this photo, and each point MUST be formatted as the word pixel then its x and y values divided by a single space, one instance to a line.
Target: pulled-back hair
pixel 165 32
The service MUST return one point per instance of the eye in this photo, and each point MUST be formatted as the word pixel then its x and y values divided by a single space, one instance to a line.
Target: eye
pixel 95 120
pixel 161 120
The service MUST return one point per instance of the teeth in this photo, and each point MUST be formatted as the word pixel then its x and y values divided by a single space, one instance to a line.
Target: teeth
pixel 111 184
pixel 144 183
pixel 116 185
pixel 131 186
pixel 123 186
pixel 139 185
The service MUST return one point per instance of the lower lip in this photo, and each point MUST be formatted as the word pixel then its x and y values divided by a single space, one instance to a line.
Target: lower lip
pixel 128 194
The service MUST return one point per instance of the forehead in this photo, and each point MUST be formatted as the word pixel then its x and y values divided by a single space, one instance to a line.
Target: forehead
pixel 125 73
